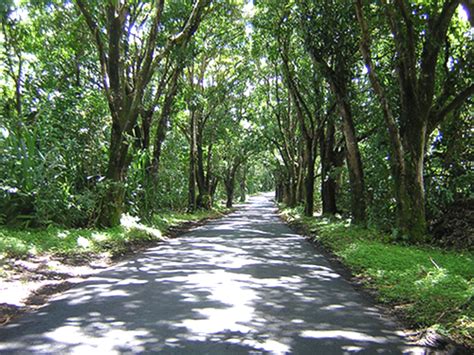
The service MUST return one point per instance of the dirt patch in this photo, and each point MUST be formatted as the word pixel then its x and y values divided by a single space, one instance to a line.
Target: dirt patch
pixel 28 283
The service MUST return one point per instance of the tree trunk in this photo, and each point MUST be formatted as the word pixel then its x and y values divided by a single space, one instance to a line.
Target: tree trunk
pixel 279 187
pixel 354 162
pixel 214 181
pixel 229 190
pixel 164 122
pixel 309 178
pixel 192 164
pixel 409 184
pixel 291 198
pixel 356 175
pixel 243 184
pixel 328 159
pixel 204 198
pixel 300 182
pixel 111 204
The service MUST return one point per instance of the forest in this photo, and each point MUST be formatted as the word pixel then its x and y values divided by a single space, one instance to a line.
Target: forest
pixel 161 111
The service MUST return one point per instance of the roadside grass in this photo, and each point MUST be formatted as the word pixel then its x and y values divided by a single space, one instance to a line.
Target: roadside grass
pixel 428 287
pixel 19 243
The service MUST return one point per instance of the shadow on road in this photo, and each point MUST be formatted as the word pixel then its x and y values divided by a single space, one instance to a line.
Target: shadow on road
pixel 242 284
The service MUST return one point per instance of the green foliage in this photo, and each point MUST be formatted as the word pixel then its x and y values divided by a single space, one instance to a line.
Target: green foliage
pixel 429 286
pixel 19 243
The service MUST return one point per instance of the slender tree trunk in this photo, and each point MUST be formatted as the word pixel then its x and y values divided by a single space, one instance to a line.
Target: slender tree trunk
pixel 164 122
pixel 18 88
pixel 243 184
pixel 279 187
pixel 147 118
pixel 309 178
pixel 353 159
pixel 212 189
pixel 292 193
pixel 229 183
pixel 192 164
pixel 203 199
pixel 356 174
pixel 328 183
pixel 300 180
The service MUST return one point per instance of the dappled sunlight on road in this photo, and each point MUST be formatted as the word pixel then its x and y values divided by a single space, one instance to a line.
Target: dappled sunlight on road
pixel 242 284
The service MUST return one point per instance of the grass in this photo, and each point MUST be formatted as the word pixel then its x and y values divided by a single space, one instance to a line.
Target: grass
pixel 19 243
pixel 429 287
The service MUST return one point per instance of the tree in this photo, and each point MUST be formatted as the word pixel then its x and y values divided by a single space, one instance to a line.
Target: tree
pixel 127 64
pixel 216 73
pixel 322 23
pixel 419 34
pixel 283 132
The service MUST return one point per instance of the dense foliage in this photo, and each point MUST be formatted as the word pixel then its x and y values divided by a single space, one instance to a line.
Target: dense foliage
pixel 354 108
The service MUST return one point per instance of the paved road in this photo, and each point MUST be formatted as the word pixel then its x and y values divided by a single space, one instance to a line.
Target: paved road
pixel 242 284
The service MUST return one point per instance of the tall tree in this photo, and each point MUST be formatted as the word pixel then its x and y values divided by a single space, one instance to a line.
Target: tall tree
pixel 419 33
pixel 128 57
pixel 323 22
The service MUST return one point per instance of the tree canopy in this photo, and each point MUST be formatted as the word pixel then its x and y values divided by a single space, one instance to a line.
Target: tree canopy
pixel 362 109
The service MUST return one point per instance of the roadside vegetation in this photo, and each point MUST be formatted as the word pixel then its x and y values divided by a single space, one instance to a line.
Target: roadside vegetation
pixel 426 286
pixel 115 242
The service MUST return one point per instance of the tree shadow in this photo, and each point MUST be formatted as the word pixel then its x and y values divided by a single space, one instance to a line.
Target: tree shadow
pixel 243 284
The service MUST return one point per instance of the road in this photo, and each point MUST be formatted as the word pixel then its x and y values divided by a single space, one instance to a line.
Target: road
pixel 243 284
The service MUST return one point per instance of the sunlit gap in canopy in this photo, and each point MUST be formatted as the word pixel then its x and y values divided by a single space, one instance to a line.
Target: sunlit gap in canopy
pixel 248 12
pixel 462 13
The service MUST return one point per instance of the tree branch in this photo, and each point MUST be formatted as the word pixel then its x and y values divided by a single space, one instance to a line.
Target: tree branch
pixel 391 123
pixel 92 24
pixel 457 102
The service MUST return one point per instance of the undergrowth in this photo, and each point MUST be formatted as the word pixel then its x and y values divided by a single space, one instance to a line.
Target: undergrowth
pixel 19 243
pixel 427 286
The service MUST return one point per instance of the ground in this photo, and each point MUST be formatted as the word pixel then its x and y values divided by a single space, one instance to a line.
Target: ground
pixel 243 283
pixel 28 282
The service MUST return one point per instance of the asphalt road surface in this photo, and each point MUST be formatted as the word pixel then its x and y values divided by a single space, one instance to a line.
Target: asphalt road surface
pixel 244 284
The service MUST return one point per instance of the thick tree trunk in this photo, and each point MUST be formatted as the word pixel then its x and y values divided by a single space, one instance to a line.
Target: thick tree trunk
pixel 291 193
pixel 411 203
pixel 111 204
pixel 229 190
pixel 409 184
